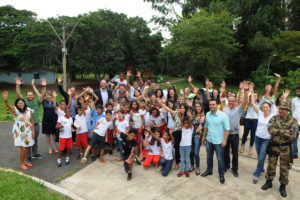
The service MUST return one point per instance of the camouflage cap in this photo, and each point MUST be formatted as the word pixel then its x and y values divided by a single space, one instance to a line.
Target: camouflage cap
pixel 284 105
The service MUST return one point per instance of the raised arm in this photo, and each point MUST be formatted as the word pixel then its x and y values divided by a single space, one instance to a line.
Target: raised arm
pixel 190 82
pixel 5 98
pixel 18 86
pixel 139 75
pixel 70 98
pixel 35 89
pixel 44 87
pixel 128 78
pixel 54 94
pixel 252 103
pixel 60 88
pixel 245 101
pixel 277 83
pixel 164 106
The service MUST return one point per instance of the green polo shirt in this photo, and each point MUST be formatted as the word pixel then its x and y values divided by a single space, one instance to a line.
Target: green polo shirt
pixel 35 106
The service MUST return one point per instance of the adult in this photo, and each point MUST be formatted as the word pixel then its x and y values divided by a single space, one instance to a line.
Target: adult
pixel 283 129
pixel 296 115
pixel 234 114
pixel 217 129
pixel 22 129
pixel 49 118
pixel 209 86
pixel 34 104
pixel 153 88
pixel 168 87
pixel 103 93
pixel 262 136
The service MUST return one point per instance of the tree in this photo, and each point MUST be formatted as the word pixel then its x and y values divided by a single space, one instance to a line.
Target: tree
pixel 203 44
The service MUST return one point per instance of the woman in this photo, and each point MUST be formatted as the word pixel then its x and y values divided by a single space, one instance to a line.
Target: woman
pixel 172 95
pixel 49 121
pixel 262 135
pixel 250 124
pixel 22 129
pixel 197 120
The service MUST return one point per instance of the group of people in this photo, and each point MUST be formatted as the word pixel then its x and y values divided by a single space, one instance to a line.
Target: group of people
pixel 146 123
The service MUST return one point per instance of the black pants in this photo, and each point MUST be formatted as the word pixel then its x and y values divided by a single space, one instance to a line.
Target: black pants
pixel 233 142
pixel 177 138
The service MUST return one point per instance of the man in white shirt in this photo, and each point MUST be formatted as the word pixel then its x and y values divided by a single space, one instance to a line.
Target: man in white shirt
pixel 103 93
pixel 296 115
pixel 168 86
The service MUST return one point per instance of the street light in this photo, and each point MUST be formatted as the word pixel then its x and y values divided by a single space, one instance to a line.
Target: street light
pixel 270 62
pixel 63 42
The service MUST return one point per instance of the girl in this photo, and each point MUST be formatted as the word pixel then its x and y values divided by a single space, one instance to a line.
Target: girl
pixel 159 94
pixel 154 148
pixel 144 149
pixel 250 124
pixel 137 119
pixel 198 121
pixel 172 95
pixel 166 148
pixel 22 129
pixel 262 135
pixel 185 145
pixel 157 120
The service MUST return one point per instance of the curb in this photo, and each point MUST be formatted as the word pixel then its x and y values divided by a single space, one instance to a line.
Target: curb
pixel 47 184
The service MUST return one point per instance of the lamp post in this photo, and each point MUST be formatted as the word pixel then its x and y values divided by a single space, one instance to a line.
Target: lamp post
pixel 270 62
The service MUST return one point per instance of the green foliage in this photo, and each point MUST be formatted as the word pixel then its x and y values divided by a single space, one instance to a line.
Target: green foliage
pixel 203 44
pixel 292 80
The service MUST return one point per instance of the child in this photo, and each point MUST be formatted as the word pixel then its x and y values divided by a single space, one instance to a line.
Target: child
pixel 185 145
pixel 120 125
pixel 128 148
pixel 64 124
pixel 144 150
pixel 110 132
pixel 154 148
pixel 81 131
pixel 60 111
pixel 137 120
pixel 166 148
pixel 99 136
pixel 121 80
pixel 157 120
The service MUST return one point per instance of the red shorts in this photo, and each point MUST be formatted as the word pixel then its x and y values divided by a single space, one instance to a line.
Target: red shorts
pixel 110 136
pixel 65 143
pixel 81 140
pixel 145 153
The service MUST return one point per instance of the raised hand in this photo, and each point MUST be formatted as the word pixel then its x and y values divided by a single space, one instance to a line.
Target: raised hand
pixel 286 93
pixel 59 79
pixel 5 95
pixel 277 75
pixel 181 91
pixel 32 81
pixel 54 94
pixel 69 92
pixel 128 73
pixel 190 79
pixel 43 82
pixel 18 80
pixel 223 84
pixel 138 74
pixel 112 84
pixel 159 101
pixel 196 90
pixel 250 88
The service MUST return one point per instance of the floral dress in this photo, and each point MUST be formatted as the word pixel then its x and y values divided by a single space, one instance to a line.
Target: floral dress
pixel 22 129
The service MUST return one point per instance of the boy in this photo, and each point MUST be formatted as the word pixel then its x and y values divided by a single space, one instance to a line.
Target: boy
pixel 64 124
pixel 121 125
pixel 121 80
pixel 99 136
pixel 81 131
pixel 128 145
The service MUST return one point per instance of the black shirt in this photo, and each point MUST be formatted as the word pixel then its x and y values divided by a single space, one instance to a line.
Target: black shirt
pixel 127 145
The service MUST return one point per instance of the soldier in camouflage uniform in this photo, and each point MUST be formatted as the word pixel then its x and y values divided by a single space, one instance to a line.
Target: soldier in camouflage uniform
pixel 283 129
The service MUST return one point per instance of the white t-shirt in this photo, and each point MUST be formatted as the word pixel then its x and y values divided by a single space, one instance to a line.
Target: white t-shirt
pixel 144 140
pixel 137 120
pixel 132 91
pixel 154 149
pixel 119 82
pixel 122 125
pixel 147 119
pixel 157 120
pixel 88 115
pixel 262 125
pixel 167 149
pixel 102 126
pixel 186 136
pixel 171 122
pixel 127 117
pixel 80 121
pixel 60 113
pixel 66 131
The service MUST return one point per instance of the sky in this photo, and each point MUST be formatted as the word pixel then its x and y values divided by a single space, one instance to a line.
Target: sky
pixel 53 8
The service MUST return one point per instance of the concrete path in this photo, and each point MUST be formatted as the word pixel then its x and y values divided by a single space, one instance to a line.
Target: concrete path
pixel 108 181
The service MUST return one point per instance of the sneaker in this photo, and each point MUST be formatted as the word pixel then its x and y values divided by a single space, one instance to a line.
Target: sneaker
pixel 67 162
pixel 180 174
pixel 110 151
pixel 119 159
pixel 129 177
pixel 38 156
pixel 59 164
pixel 83 160
pixel 93 158
pixel 187 174
pixel 29 160
pixel 255 180
pixel 295 156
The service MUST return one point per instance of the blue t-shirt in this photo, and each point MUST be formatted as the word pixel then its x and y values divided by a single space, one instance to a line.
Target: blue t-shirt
pixel 216 124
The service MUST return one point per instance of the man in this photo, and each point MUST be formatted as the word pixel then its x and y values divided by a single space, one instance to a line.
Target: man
pixel 296 115
pixel 168 87
pixel 234 114
pixel 209 85
pixel 153 87
pixel 34 104
pixel 217 129
pixel 283 129
pixel 66 96
pixel 103 93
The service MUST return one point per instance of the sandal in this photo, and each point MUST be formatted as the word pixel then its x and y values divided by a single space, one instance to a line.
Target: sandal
pixel 24 167
pixel 28 164
pixel 191 169
pixel 197 172
pixel 176 167
pixel 242 149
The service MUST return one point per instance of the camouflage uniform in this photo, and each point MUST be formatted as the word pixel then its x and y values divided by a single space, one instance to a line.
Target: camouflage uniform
pixel 282 132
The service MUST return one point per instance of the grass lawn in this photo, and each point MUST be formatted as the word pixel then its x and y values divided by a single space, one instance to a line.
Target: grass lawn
pixel 14 186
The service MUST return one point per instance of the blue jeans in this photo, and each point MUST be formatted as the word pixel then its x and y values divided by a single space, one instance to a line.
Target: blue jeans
pixel 249 125
pixel 261 149
pixel 185 158
pixel 210 148
pixel 167 166
pixel 121 149
pixel 196 144
pixel 295 143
